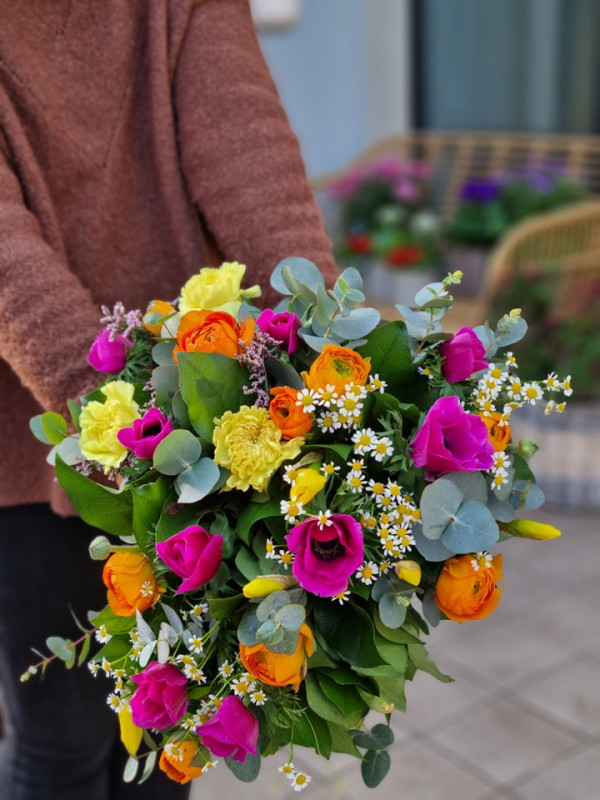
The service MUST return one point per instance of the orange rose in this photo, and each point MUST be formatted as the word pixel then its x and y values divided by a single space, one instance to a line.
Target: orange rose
pixel 279 669
pixel 158 307
pixel 130 581
pixel 212 332
pixel 176 761
pixel 499 435
pixel 337 366
pixel 292 420
pixel 463 592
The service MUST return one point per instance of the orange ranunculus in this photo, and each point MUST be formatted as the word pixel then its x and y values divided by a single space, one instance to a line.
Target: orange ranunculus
pixel 291 419
pixel 158 307
pixel 337 366
pixel 499 435
pixel 212 332
pixel 177 762
pixel 463 592
pixel 130 581
pixel 279 669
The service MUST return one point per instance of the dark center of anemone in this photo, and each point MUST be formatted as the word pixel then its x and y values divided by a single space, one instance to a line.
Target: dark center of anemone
pixel 152 430
pixel 328 550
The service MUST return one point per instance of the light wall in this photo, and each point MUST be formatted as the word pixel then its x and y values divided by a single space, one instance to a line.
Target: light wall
pixel 343 76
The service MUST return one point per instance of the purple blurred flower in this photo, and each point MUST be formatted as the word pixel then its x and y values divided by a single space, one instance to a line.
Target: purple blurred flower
pixel 451 440
pixel 161 698
pixel 232 732
pixel 109 354
pixel 480 190
pixel 146 433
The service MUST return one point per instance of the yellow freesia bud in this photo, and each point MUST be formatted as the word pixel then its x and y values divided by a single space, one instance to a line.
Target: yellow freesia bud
pixel 529 529
pixel 307 483
pixel 408 571
pixel 265 584
pixel 131 735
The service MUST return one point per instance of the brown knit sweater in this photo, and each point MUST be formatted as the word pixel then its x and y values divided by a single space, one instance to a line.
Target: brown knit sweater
pixel 140 140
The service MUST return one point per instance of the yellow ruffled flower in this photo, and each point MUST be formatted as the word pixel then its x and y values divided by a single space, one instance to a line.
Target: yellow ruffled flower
pixel 307 484
pixel 266 584
pixel 131 735
pixel 529 529
pixel 101 422
pixel 250 446
pixel 217 289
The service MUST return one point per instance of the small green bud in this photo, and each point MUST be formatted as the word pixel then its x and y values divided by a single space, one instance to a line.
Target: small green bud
pixel 100 548
pixel 527 448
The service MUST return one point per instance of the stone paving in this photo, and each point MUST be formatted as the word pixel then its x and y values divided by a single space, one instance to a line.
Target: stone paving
pixel 521 720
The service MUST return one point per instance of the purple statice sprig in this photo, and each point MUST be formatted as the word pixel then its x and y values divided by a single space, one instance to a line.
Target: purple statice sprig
pixel 253 358
pixel 120 321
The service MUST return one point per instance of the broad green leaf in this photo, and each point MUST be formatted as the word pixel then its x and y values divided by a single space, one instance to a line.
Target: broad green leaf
pixel 389 351
pixel 246 770
pixel 247 563
pixel 112 622
pixel 349 631
pixel 379 737
pixel 392 690
pixel 439 503
pixel 341 742
pixel 99 506
pixel 321 704
pixel 197 481
pixel 176 452
pixel 346 698
pixel 417 653
pixel 310 730
pixel 253 513
pixel 473 528
pixel 393 653
pixel 148 501
pixel 374 767
pixel 211 384
pixel 279 373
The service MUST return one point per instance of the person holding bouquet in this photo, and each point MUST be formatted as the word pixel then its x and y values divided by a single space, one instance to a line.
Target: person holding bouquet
pixel 139 142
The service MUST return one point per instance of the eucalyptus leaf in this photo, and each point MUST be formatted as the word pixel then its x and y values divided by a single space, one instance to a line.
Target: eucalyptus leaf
pixel 431 549
pixel 176 452
pixel 301 268
pixel 131 769
pixel 472 485
pixel 165 380
pixel 68 450
pixel 374 767
pixel 431 612
pixel 473 528
pixel 291 616
pixel 246 770
pixel 197 481
pixel 271 604
pixel 439 503
pixel 358 323
pixel 392 613
pixel 162 353
pixel 49 427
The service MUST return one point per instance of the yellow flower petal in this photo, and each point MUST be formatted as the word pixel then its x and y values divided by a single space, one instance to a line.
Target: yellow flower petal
pixel 408 571
pixel 131 735
pixel 307 484
pixel 264 585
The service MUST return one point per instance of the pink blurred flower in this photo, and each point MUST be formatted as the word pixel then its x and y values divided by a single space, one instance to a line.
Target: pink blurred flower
pixel 161 698
pixel 463 355
pixel 232 731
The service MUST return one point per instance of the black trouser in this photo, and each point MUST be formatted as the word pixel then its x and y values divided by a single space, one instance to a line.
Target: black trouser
pixel 59 740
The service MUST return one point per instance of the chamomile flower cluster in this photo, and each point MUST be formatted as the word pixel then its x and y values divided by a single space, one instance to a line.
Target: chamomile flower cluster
pixel 336 410
pixel 299 780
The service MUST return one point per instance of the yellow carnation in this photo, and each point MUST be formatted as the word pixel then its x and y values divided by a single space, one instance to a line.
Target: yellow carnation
pixel 249 445
pixel 101 422
pixel 216 290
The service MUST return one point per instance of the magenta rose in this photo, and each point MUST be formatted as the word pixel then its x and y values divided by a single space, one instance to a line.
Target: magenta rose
pixel 463 355
pixel 193 554
pixel 109 354
pixel 326 556
pixel 232 731
pixel 145 434
pixel 161 698
pixel 451 440
pixel 282 327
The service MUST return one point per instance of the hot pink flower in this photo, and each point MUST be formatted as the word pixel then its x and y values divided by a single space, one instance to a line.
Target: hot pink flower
pixel 451 440
pixel 282 327
pixel 193 554
pixel 109 355
pixel 326 556
pixel 232 731
pixel 145 434
pixel 463 355
pixel 161 698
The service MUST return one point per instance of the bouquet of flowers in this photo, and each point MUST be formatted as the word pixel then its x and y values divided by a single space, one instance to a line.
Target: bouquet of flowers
pixel 300 494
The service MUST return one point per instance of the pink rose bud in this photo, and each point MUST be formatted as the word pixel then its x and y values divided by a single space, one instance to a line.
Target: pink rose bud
pixel 451 440
pixel 463 355
pixel 282 327
pixel 145 434
pixel 109 355
pixel 194 554
pixel 326 556
pixel 232 732
pixel 161 698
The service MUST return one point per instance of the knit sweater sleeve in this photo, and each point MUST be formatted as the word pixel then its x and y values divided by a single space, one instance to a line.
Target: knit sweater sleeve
pixel 240 158
pixel 47 318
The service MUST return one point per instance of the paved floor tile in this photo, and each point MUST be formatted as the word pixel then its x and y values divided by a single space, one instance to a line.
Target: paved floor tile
pixel 573 778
